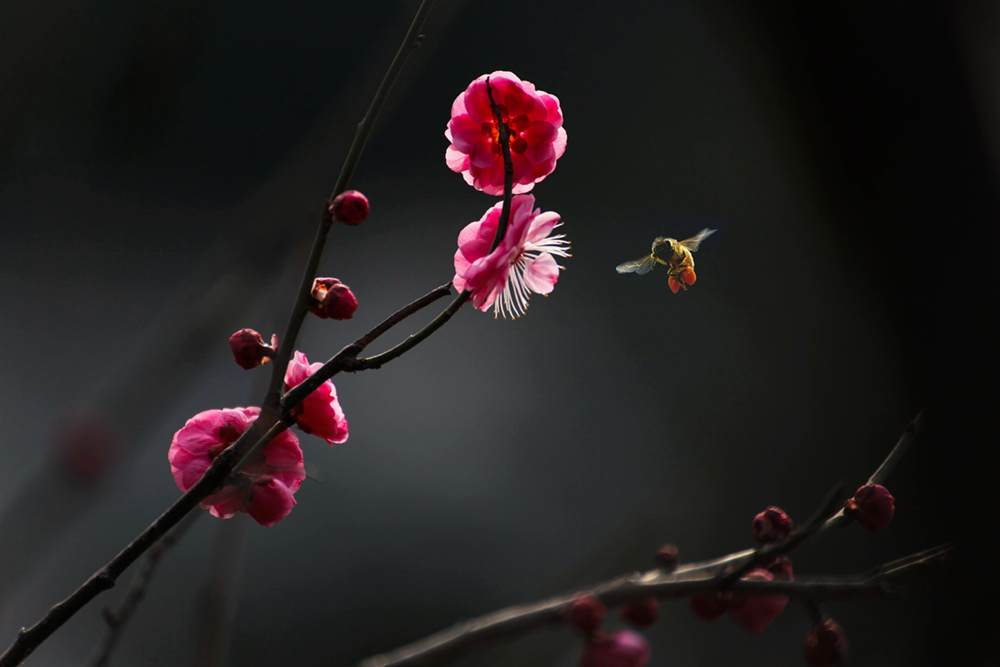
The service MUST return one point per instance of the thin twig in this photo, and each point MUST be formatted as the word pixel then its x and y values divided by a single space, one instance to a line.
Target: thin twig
pixel 117 617
pixel 703 577
pixel 303 299
pixel 768 552
pixel 696 578
pixel 265 428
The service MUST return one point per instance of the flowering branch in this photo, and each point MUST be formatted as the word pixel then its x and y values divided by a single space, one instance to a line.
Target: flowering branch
pixel 700 578
pixel 304 298
pixel 229 460
pixel 695 578
pixel 508 192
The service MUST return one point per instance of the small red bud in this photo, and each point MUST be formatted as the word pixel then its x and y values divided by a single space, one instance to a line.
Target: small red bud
pixel 709 607
pixel 825 644
pixel 350 208
pixel 872 506
pixel 781 568
pixel 249 349
pixel 624 648
pixel 771 525
pixel 333 299
pixel 757 612
pixel 668 557
pixel 586 612
pixel 641 614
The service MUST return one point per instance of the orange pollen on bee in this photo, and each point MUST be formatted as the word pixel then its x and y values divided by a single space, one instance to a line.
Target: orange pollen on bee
pixel 516 126
pixel 688 276
pixel 675 285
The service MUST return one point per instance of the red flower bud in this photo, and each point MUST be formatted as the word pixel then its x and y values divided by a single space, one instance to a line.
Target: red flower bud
pixel 825 644
pixel 771 525
pixel 333 299
pixel 668 557
pixel 586 612
pixel 641 614
pixel 350 208
pixel 624 648
pixel 781 568
pixel 872 506
pixel 709 607
pixel 757 612
pixel 249 349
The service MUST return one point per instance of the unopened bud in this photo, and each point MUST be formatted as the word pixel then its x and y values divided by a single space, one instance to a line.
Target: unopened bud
pixel 624 648
pixel 250 350
pixel 781 568
pixel 825 644
pixel 757 612
pixel 872 506
pixel 771 525
pixel 641 614
pixel 333 299
pixel 668 557
pixel 350 208
pixel 709 607
pixel 586 612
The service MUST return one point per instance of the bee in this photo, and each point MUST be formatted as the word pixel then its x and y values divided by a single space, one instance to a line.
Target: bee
pixel 675 255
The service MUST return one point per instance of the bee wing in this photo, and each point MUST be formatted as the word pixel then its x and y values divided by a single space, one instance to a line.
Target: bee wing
pixel 695 241
pixel 641 266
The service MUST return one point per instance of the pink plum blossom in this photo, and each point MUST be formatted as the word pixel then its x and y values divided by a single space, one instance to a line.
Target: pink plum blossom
pixel 534 121
pixel 319 413
pixel 263 488
pixel 521 264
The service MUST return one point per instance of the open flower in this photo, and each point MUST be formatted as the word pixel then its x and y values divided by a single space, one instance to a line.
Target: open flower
pixel 319 413
pixel 533 119
pixel 263 488
pixel 521 264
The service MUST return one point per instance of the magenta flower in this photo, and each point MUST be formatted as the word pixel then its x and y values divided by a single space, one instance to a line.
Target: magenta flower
pixel 263 488
pixel 319 413
pixel 534 121
pixel 521 264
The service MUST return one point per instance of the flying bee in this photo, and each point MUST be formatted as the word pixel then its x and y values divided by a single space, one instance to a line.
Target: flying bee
pixel 675 255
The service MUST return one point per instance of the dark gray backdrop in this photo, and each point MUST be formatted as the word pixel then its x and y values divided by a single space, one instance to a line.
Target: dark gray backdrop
pixel 170 158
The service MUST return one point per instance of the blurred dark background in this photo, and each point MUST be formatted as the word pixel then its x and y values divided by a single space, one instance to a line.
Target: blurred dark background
pixel 162 165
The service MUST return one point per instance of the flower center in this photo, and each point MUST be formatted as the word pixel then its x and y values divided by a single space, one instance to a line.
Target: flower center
pixel 516 127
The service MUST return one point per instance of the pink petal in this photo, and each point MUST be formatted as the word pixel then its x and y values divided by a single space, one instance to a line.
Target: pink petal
pixel 559 144
pixel 456 160
pixel 541 275
pixel 269 502
pixel 542 226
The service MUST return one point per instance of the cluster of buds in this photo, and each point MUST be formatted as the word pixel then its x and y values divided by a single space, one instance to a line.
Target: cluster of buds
pixel 622 648
pixel 755 612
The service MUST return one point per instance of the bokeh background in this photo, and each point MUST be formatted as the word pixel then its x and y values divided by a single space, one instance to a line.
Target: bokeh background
pixel 162 165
